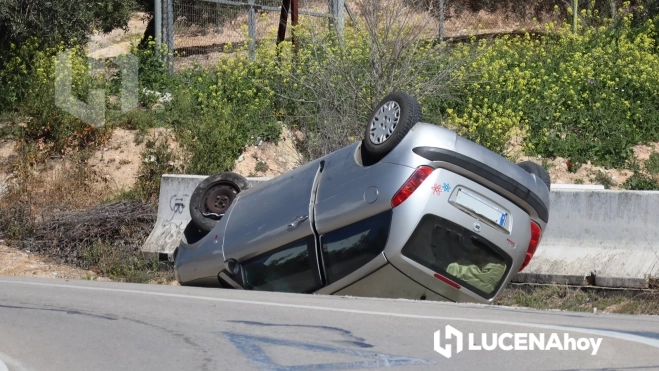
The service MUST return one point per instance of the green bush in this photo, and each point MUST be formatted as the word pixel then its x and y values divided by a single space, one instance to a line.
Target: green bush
pixel 641 182
pixel 585 96
pixel 652 164
pixel 56 21
pixel 217 112
pixel 30 30
pixel 29 88
pixel 328 86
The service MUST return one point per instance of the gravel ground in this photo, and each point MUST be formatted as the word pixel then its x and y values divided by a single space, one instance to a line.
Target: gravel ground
pixel 20 263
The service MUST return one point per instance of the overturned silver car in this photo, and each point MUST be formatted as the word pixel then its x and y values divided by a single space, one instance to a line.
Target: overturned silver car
pixel 411 211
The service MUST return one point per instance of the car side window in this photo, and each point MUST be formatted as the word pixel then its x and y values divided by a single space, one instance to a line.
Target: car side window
pixel 348 248
pixel 291 268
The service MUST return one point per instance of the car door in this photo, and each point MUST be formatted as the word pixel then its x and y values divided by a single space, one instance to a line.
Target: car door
pixel 273 222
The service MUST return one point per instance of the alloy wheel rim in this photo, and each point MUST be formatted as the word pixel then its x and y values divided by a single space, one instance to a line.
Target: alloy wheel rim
pixel 384 122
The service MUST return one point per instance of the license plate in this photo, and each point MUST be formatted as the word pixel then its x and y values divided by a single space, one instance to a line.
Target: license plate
pixel 481 208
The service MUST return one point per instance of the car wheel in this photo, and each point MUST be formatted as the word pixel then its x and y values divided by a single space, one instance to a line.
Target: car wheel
pixel 533 168
pixel 213 197
pixel 392 119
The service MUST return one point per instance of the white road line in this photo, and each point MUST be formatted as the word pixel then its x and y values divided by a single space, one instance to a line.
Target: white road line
pixel 15 364
pixel 606 333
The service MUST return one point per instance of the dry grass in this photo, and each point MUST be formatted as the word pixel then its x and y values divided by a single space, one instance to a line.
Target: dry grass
pixel 581 299
pixel 56 209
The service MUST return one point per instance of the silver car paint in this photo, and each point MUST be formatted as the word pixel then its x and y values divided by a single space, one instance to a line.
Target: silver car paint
pixel 264 219
pixel 339 201
pixel 200 260
pixel 205 258
pixel 423 134
pixel 389 282
pixel 365 270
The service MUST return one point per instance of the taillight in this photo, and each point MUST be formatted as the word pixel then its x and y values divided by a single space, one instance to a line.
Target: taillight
pixel 411 185
pixel 447 281
pixel 533 244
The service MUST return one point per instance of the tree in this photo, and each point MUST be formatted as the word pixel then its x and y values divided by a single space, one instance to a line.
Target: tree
pixel 32 30
pixel 59 21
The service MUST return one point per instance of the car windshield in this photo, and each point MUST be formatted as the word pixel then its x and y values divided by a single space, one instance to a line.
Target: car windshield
pixel 458 253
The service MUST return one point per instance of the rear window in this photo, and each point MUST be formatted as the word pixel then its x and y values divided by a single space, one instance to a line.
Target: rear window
pixel 458 253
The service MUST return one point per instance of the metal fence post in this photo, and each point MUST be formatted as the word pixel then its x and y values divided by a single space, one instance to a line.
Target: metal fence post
pixel 170 35
pixel 339 17
pixel 157 17
pixel 575 10
pixel 283 20
pixel 251 29
pixel 295 16
pixel 441 20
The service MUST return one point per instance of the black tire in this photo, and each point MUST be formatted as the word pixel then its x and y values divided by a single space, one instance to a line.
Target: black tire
pixel 213 196
pixel 533 168
pixel 391 120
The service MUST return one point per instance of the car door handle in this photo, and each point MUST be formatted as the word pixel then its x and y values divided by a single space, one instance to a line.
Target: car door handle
pixel 297 220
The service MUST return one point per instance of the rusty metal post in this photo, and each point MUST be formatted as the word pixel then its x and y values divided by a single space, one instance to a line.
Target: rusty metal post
pixel 283 19
pixel 441 20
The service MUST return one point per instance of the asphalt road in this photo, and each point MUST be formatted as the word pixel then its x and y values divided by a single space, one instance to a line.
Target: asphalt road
pixel 88 325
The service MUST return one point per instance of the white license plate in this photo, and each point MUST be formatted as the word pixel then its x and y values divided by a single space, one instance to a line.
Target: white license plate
pixel 481 208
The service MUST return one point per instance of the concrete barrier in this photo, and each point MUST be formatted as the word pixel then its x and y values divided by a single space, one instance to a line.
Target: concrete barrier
pixel 582 187
pixel 173 213
pixel 600 237
pixel 594 236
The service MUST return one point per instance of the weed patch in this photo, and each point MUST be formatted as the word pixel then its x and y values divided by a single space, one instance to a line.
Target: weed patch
pixel 157 159
pixel 652 164
pixel 641 182
pixel 603 179
pixel 580 299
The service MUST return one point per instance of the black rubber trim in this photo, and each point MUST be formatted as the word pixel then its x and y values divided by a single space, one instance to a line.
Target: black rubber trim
pixel 494 176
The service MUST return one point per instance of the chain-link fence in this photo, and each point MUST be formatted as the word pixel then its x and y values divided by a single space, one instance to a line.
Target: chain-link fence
pixel 199 31
pixel 459 18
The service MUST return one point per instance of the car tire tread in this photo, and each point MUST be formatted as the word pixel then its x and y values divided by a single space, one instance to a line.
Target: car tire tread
pixel 206 223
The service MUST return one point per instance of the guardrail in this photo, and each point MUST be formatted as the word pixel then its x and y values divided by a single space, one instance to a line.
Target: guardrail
pixel 598 237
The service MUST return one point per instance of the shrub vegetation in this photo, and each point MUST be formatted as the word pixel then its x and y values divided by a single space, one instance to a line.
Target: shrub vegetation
pixel 586 96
